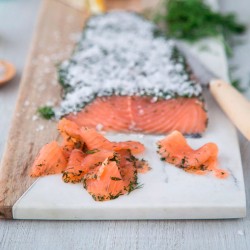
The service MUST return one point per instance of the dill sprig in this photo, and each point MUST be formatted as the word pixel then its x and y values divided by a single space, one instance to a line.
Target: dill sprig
pixel 46 112
pixel 133 186
pixel 193 20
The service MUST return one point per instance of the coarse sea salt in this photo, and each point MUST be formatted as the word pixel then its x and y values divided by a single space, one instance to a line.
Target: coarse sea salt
pixel 40 128
pixel 99 127
pixel 26 103
pixel 34 117
pixel 121 53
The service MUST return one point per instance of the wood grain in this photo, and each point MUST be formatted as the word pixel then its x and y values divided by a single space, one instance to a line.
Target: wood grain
pixel 52 42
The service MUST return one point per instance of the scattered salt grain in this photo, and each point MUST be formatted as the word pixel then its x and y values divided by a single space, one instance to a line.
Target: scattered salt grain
pixel 154 99
pixel 132 126
pixel 34 117
pixel 40 128
pixel 49 103
pixel 99 127
pixel 141 112
pixel 26 103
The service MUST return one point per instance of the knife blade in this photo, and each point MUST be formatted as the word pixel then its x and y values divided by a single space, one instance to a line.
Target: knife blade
pixel 231 101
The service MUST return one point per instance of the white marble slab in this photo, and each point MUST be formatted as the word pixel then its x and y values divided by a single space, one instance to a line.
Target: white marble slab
pixel 168 192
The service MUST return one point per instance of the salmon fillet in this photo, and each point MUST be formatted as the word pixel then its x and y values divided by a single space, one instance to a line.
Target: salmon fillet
pixel 140 114
pixel 125 75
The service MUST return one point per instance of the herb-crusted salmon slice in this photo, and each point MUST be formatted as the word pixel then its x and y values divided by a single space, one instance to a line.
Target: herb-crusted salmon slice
pixel 124 75
pixel 106 169
pixel 50 160
pixel 105 182
pixel 175 150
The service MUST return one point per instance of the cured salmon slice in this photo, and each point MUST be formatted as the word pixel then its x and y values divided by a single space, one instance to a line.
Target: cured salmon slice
pixel 69 129
pixel 75 169
pixel 107 169
pixel 124 170
pixel 94 140
pixel 105 183
pixel 175 150
pixel 71 136
pixel 97 156
pixel 50 160
pixel 144 114
pixel 81 163
pixel 128 170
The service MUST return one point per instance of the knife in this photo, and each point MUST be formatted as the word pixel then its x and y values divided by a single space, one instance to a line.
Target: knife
pixel 231 101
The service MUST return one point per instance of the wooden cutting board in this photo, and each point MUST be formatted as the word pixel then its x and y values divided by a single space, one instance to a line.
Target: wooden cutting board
pixel 49 198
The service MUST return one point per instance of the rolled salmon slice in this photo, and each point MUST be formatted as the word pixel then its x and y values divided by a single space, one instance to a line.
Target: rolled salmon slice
pixel 70 132
pixel 75 170
pixel 105 182
pixel 95 140
pixel 50 160
pixel 175 150
pixel 128 170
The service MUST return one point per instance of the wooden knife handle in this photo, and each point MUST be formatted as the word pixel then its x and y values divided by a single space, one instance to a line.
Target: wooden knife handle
pixel 234 104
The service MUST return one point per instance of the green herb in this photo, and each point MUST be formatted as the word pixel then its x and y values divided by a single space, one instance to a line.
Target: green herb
pixel 183 160
pixel 133 186
pixel 115 178
pixel 93 151
pixel 193 19
pixel 112 197
pixel 46 112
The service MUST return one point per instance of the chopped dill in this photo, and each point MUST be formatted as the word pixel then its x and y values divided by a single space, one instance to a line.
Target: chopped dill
pixel 46 112
pixel 115 178
pixel 193 20
pixel 133 186
pixel 93 151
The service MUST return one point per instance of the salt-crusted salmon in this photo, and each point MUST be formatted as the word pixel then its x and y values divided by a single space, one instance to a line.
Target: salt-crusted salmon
pixel 107 169
pixel 125 75
pixel 175 150
pixel 50 160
